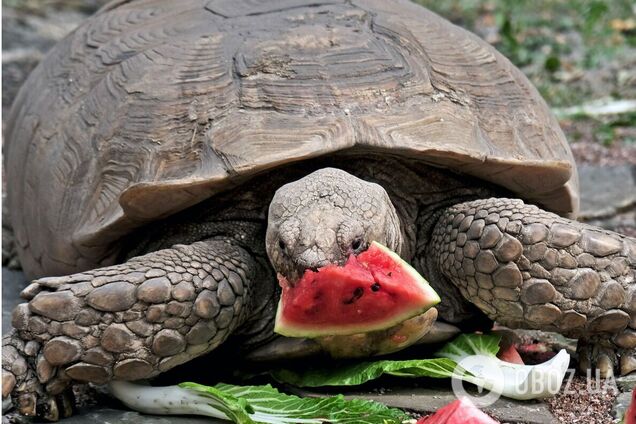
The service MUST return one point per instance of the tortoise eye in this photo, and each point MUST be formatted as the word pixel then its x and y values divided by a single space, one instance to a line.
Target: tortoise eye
pixel 281 244
pixel 356 244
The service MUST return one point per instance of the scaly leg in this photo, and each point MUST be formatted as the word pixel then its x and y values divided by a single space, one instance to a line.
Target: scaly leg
pixel 525 267
pixel 129 321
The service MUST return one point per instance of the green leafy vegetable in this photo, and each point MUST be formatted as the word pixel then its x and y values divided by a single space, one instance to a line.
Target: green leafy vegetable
pixel 354 374
pixel 252 404
pixel 470 357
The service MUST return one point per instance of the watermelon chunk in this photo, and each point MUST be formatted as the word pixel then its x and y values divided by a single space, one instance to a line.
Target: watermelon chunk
pixel 460 411
pixel 630 414
pixel 372 291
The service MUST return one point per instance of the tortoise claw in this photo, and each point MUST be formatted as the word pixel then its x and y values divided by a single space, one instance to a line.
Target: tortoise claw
pixel 605 365
pixel 65 403
pixel 606 360
pixel 628 364
pixel 27 404
pixel 50 410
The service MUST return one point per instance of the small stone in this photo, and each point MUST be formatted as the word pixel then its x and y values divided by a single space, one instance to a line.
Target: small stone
pixel 155 290
pixel 180 309
pixel 611 321
pixel 612 295
pixel 133 369
pixel 206 305
pixel 599 244
pixel 626 339
pixel 626 383
pixel 88 373
pixel 168 343
pixel 584 284
pixel 43 369
pixel 97 356
pixel 58 306
pixel 537 291
pixel 505 293
pixel 113 297
pixel 508 276
pixel 563 235
pixel 118 338
pixel 183 291
pixel 534 233
pixel 62 350
pixel 490 237
pixel 571 320
pixel 542 314
pixel 486 262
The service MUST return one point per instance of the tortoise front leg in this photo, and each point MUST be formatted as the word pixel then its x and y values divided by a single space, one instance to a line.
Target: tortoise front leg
pixel 525 267
pixel 129 321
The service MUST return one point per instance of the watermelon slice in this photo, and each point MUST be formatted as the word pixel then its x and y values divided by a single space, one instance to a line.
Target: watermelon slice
pixel 460 411
pixel 630 414
pixel 372 291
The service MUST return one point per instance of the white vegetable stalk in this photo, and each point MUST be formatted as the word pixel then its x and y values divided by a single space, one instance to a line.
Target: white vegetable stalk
pixel 516 381
pixel 168 400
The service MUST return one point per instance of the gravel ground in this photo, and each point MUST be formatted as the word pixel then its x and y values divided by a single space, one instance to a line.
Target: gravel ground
pixel 582 401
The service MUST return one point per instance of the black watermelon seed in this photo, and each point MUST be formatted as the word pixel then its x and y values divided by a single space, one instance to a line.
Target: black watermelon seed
pixel 390 273
pixel 375 287
pixel 357 294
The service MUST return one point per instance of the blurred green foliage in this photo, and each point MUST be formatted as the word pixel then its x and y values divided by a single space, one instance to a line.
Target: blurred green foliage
pixel 552 41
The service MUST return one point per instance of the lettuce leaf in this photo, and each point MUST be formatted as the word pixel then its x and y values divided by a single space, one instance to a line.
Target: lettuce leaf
pixel 470 357
pixel 252 404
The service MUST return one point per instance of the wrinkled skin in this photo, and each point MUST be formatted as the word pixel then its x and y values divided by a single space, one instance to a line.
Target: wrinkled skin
pixel 518 264
pixel 326 217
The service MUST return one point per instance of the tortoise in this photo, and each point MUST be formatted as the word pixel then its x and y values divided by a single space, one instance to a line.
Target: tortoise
pixel 167 159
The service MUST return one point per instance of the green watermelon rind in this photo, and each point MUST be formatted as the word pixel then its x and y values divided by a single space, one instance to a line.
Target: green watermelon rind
pixel 295 330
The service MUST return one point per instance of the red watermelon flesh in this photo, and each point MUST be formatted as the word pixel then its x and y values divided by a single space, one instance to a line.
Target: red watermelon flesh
pixel 372 291
pixel 460 411
pixel 630 414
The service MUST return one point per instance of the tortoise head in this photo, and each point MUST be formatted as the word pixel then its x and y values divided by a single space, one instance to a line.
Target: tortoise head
pixel 324 218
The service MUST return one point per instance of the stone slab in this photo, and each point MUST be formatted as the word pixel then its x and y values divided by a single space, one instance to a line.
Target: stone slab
pixel 606 191
pixel 427 400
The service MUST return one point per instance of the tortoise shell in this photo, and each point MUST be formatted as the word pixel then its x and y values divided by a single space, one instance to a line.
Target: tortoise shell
pixel 152 106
